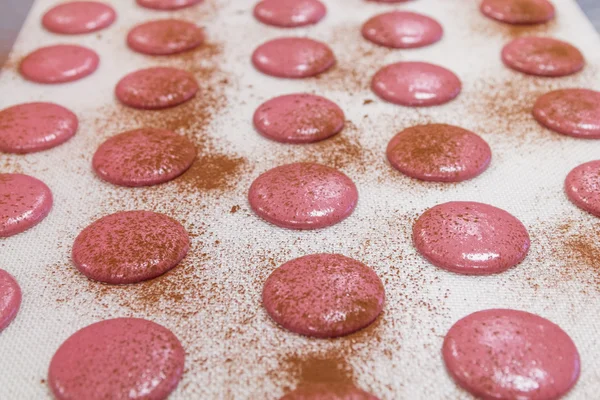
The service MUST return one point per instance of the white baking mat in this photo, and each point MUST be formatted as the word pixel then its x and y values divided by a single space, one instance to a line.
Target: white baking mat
pixel 212 301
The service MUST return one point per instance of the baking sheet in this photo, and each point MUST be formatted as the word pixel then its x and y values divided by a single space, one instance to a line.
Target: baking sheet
pixel 212 301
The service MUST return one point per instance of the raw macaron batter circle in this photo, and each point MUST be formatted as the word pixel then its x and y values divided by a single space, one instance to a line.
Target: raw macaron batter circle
pixel 439 152
pixel 402 30
pixel 298 118
pixel 303 196
pixel 59 64
pixel 156 88
pixel 10 299
pixel 323 295
pixel 79 17
pixel 165 37
pixel 289 13
pixel 31 127
pixel 293 57
pixel 572 112
pixel 416 84
pixel 583 187
pixel 24 202
pixel 130 247
pixel 542 56
pixel 143 157
pixel 121 358
pixel 470 238
pixel 510 354
pixel 518 12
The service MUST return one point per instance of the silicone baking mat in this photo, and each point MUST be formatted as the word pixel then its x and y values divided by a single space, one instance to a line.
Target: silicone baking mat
pixel 212 300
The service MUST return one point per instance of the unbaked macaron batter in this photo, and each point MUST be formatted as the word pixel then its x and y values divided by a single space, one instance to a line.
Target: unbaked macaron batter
pixel 130 247
pixel 402 30
pixel 510 354
pixel 10 299
pixel 24 202
pixel 323 295
pixel 303 196
pixel 293 57
pixel 542 56
pixel 416 84
pixel 289 13
pixel 298 118
pixel 77 17
pixel 143 157
pixel 121 358
pixel 572 112
pixel 439 152
pixel 156 88
pixel 518 12
pixel 583 187
pixel 470 238
pixel 59 64
pixel 165 37
pixel 31 127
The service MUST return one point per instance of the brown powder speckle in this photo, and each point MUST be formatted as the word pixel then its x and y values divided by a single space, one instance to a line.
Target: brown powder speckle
pixel 212 171
pixel 330 367
pixel 570 252
pixel 354 68
pixel 508 105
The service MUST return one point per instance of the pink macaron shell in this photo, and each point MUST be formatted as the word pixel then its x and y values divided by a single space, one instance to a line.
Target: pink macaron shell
pixel 10 299
pixel 165 37
pixel 59 64
pixel 416 84
pixel 130 247
pixel 79 17
pixel 293 57
pixel 518 12
pixel 143 157
pixel 328 391
pixel 323 295
pixel 303 196
pixel 289 13
pixel 572 112
pixel 439 152
pixel 470 238
pixel 156 88
pixel 31 127
pixel 121 358
pixel 510 354
pixel 299 118
pixel 24 202
pixel 542 56
pixel 167 4
pixel 402 30
pixel 582 186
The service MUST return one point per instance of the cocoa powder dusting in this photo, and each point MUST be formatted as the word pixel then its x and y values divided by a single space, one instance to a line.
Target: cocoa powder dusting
pixel 570 252
pixel 508 104
pixel 356 63
pixel 343 150
pixel 212 172
pixel 212 169
pixel 330 367
pixel 580 252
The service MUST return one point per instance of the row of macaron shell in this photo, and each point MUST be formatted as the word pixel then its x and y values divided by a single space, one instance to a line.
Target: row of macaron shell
pixel 266 302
